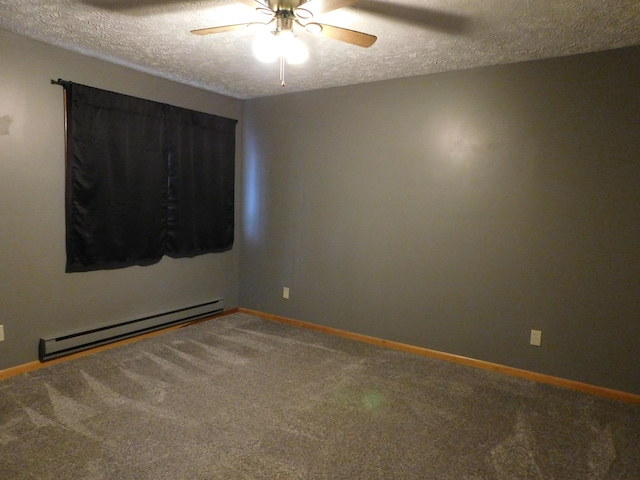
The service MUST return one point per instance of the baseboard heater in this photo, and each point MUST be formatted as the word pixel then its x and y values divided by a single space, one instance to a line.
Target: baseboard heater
pixel 72 342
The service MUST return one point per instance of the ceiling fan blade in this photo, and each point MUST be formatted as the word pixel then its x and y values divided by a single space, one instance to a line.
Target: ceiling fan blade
pixel 256 3
pixel 225 28
pixel 349 36
pixel 138 7
pixel 318 7
pixel 422 16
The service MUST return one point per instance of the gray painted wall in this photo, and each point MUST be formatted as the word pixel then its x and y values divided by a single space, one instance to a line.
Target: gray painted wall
pixel 452 211
pixel 458 212
pixel 36 297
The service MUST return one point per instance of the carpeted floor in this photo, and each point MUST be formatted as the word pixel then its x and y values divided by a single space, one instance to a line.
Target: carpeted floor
pixel 245 398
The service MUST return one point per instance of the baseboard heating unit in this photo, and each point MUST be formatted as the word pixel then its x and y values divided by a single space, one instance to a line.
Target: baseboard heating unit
pixel 72 342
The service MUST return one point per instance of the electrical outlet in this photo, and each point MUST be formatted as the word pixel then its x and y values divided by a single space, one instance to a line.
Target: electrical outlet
pixel 1 333
pixel 285 292
pixel 536 338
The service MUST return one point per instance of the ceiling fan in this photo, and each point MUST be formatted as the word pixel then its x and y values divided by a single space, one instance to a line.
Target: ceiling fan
pixel 282 42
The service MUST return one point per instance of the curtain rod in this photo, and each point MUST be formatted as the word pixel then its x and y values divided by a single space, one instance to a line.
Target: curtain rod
pixel 63 83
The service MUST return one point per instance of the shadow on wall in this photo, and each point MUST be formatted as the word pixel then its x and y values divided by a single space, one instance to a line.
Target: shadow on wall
pixel 5 123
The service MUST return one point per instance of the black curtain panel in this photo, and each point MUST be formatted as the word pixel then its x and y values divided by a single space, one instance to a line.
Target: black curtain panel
pixel 201 181
pixel 144 180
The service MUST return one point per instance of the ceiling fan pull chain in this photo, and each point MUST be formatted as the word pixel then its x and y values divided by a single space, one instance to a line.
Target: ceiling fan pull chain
pixel 282 60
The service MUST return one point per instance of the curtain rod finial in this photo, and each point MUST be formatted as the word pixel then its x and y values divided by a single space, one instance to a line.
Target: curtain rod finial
pixel 60 82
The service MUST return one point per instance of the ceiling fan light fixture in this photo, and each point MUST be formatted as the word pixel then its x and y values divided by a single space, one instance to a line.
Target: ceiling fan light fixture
pixel 280 43
pixel 265 11
pixel 303 13
pixel 292 48
pixel 313 27
pixel 265 48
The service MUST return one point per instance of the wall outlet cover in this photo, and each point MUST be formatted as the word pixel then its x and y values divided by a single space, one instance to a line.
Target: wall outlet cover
pixel 536 338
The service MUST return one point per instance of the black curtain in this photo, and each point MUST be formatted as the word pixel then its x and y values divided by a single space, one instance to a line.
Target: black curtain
pixel 144 179
pixel 201 188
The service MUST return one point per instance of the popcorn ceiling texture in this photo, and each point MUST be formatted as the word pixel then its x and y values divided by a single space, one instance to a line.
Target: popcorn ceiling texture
pixel 415 37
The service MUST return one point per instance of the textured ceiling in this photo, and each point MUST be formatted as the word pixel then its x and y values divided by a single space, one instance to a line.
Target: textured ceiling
pixel 415 37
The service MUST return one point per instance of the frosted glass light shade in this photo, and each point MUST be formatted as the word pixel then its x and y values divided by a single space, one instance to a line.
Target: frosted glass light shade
pixel 295 51
pixel 283 43
pixel 265 48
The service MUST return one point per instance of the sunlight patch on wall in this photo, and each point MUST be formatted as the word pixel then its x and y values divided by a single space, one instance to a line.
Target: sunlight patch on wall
pixel 252 180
